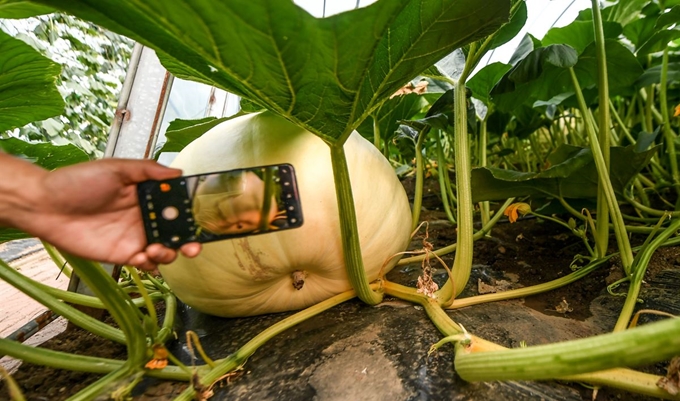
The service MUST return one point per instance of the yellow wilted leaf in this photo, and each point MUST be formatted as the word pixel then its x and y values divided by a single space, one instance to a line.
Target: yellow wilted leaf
pixel 418 89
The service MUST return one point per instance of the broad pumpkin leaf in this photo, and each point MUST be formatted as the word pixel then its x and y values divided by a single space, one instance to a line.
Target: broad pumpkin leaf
pixel 28 89
pixel 543 74
pixel 556 100
pixel 527 80
pixel 180 133
pixel 17 9
pixel 450 67
pixel 639 31
pixel 390 113
pixel 572 175
pixel 526 120
pixel 45 155
pixel 652 75
pixel 669 18
pixel 326 75
pixel 624 69
pixel 646 139
pixel 248 106
pixel 512 28
pixel 623 12
pixel 528 44
pixel 580 34
pixel 485 80
pixel 659 41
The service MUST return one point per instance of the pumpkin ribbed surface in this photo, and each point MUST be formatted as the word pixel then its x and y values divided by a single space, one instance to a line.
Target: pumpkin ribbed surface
pixel 256 275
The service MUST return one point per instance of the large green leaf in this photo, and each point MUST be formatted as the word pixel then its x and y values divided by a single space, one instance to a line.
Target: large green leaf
pixel 653 75
pixel 388 116
pixel 622 65
pixel 579 34
pixel 572 175
pixel 638 32
pixel 624 11
pixel 543 74
pixel 450 67
pixel 512 28
pixel 326 75
pixel 534 65
pixel 180 133
pixel 527 81
pixel 27 85
pixel 528 44
pixel 659 41
pixel 15 9
pixel 485 79
pixel 526 120
pixel 669 18
pixel 46 155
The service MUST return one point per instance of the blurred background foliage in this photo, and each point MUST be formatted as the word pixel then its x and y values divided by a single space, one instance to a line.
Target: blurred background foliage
pixel 94 63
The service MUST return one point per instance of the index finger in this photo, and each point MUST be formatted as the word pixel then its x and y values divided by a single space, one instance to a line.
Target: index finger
pixel 135 171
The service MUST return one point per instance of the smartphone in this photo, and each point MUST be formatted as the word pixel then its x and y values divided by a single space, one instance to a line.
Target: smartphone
pixel 221 205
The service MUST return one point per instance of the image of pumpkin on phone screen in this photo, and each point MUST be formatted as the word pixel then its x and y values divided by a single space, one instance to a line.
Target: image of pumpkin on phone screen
pixel 237 202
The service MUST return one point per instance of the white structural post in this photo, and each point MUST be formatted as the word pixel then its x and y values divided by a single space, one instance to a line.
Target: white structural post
pixel 141 118
pixel 136 126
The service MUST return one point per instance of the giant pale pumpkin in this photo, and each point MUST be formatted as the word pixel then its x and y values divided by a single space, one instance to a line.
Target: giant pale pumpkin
pixel 296 268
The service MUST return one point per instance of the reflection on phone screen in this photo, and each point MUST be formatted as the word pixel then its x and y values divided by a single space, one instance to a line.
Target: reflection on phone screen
pixel 221 205
pixel 237 202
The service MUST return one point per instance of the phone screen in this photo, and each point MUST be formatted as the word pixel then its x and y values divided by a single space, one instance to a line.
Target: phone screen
pixel 220 205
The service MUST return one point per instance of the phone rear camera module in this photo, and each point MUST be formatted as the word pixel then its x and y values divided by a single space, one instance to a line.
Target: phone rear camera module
pixel 170 213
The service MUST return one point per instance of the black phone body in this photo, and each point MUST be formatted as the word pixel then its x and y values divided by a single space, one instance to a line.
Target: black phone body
pixel 220 205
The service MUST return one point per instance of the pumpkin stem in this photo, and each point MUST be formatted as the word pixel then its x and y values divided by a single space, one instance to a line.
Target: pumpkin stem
pixel 351 248
pixel 298 277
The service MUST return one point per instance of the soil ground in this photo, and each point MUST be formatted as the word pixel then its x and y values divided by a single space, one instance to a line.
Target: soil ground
pixel 334 356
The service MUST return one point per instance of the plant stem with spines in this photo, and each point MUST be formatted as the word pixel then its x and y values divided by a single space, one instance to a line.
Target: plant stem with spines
pixel 462 263
pixel 668 133
pixel 418 193
pixel 351 247
pixel 610 196
pixel 443 176
pixel 603 131
pixel 124 312
pixel 639 269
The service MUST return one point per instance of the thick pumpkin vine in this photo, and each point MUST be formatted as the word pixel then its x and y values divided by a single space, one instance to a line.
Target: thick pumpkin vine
pixel 327 76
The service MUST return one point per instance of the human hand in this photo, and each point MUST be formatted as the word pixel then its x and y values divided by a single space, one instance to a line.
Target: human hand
pixel 91 210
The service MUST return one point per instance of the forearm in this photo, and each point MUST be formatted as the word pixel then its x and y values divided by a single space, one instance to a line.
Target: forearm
pixel 20 190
